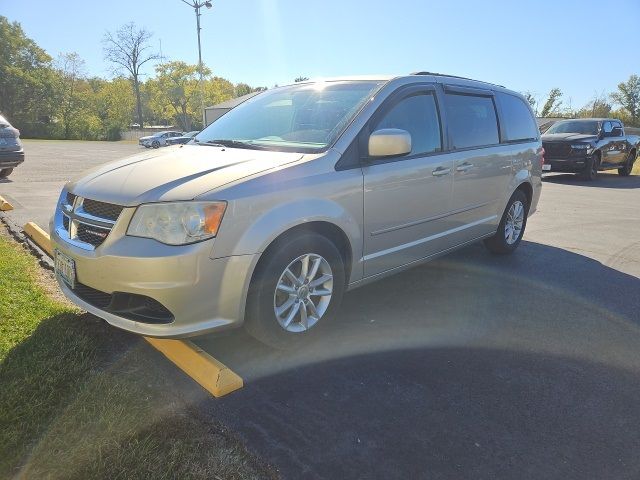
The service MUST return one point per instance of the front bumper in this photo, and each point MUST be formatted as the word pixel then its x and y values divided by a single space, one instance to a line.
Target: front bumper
pixel 203 294
pixel 11 159
pixel 570 164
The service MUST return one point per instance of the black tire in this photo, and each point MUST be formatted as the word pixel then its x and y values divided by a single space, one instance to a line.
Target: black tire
pixel 590 172
pixel 498 244
pixel 155 144
pixel 5 172
pixel 260 319
pixel 628 165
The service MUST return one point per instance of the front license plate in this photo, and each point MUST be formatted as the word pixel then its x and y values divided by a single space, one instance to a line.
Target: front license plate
pixel 66 269
pixel 546 167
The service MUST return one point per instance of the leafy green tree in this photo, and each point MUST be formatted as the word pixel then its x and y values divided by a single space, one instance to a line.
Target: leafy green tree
pixel 628 96
pixel 301 79
pixel 26 80
pixel 70 95
pixel 531 100
pixel 177 85
pixel 552 105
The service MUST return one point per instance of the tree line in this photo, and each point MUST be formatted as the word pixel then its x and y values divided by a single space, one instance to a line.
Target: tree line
pixel 626 98
pixel 56 98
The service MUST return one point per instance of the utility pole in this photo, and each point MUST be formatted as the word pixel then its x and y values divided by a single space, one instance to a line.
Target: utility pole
pixel 196 5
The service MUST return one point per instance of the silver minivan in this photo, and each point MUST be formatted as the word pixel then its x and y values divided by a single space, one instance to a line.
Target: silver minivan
pixel 297 195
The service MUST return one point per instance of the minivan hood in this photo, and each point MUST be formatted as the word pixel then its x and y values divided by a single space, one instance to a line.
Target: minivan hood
pixel 557 137
pixel 174 173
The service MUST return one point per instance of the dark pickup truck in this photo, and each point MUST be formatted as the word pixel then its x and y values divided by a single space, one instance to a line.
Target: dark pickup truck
pixel 586 146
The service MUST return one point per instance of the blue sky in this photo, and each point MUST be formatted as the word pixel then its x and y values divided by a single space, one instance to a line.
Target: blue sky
pixel 582 47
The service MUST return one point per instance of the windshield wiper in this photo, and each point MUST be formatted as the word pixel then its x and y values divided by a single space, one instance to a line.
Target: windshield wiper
pixel 234 144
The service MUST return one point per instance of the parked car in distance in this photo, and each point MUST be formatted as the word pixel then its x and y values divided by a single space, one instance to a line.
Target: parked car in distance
pixel 158 140
pixel 187 137
pixel 295 196
pixel 589 145
pixel 11 151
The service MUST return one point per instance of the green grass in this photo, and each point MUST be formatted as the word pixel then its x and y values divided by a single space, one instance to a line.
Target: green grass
pixel 81 400
pixel 636 168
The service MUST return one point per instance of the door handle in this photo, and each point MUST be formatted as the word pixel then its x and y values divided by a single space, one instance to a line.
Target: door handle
pixel 441 171
pixel 464 167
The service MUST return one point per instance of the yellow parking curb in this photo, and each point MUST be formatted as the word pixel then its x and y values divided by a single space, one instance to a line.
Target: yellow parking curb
pixel 4 205
pixel 211 374
pixel 39 236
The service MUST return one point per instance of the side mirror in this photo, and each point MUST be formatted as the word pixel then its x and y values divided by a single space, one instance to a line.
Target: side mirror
pixel 616 132
pixel 389 142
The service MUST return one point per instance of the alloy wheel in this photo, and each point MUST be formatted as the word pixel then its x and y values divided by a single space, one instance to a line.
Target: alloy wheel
pixel 303 292
pixel 514 223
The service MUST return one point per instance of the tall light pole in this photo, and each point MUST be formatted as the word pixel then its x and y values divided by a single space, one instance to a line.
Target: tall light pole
pixel 196 5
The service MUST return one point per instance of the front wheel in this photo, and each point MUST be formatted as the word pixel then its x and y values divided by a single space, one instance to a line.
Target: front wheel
pixel 155 144
pixel 5 172
pixel 511 227
pixel 628 165
pixel 591 167
pixel 296 288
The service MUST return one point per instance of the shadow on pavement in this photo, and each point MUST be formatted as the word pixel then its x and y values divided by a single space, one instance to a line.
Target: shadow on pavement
pixel 604 180
pixel 473 366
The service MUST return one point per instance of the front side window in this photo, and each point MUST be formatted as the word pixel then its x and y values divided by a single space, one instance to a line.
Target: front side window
pixel 472 120
pixel 517 117
pixel 418 115
pixel 300 118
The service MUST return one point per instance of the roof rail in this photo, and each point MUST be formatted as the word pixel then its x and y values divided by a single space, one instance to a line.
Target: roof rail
pixel 454 76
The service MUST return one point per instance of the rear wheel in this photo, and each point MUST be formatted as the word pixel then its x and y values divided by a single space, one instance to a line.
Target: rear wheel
pixel 511 227
pixel 590 171
pixel 5 172
pixel 295 291
pixel 628 165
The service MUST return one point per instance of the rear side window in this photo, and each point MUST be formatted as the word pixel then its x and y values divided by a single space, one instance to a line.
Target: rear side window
pixel 472 120
pixel 418 115
pixel 517 118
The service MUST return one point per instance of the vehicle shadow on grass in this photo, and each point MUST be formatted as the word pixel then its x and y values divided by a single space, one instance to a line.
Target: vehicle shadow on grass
pixel 80 399
pixel 523 366
pixel 603 180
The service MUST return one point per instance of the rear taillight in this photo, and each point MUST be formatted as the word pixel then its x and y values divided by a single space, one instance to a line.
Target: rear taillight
pixel 541 156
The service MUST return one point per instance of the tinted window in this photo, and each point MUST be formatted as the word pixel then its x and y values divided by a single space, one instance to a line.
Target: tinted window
pixel 417 115
pixel 607 127
pixel 472 120
pixel 517 119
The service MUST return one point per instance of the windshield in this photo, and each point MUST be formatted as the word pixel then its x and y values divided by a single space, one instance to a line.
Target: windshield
pixel 303 118
pixel 583 127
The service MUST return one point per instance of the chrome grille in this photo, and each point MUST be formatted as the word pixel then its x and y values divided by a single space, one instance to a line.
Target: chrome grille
pixel 84 222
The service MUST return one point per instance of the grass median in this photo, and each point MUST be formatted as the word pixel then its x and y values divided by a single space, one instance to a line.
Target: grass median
pixel 80 400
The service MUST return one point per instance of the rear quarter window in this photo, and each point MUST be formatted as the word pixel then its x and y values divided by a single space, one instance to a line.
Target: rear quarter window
pixel 472 120
pixel 517 120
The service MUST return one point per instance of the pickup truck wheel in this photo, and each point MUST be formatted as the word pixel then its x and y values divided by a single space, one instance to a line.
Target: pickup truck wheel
pixel 5 172
pixel 511 227
pixel 295 291
pixel 155 144
pixel 628 165
pixel 590 171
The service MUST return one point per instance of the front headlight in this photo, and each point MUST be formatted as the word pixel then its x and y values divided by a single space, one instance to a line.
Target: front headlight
pixel 177 223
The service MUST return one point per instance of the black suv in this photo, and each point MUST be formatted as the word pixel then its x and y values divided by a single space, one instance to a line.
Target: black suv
pixel 588 145
pixel 11 152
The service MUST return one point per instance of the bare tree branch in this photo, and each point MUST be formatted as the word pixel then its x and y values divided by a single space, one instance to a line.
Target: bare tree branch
pixel 127 51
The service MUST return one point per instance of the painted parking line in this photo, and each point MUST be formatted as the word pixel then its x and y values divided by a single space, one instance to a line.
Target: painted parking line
pixel 212 375
pixel 4 205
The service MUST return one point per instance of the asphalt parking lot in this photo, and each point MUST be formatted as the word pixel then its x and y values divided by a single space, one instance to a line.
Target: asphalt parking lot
pixel 472 366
